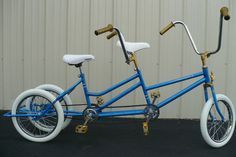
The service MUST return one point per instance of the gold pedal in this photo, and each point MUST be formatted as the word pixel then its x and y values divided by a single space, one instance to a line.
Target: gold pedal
pixel 81 129
pixel 145 128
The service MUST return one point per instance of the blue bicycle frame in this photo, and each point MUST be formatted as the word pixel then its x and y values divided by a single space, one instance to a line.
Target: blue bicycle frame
pixel 205 79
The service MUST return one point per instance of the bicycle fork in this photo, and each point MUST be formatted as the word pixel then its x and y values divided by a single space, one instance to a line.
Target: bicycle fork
pixel 209 83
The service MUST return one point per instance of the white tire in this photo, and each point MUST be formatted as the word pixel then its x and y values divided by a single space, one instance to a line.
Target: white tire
pixel 66 99
pixel 216 132
pixel 23 124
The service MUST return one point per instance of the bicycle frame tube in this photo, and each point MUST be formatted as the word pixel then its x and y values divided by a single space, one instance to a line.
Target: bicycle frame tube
pixel 114 86
pixel 182 92
pixel 144 88
pixel 119 96
pixel 174 81
pixel 68 91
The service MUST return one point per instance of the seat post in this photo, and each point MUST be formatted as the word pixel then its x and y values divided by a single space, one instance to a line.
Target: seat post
pixel 79 66
pixel 80 69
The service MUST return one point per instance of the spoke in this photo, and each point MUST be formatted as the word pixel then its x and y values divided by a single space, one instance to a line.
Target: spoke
pixel 40 133
pixel 25 120
pixel 217 130
pixel 213 125
pixel 45 123
pixel 34 130
pixel 52 122
pixel 27 124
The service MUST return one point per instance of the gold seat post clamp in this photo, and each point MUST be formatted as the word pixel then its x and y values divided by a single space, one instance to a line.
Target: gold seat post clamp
pixel 134 59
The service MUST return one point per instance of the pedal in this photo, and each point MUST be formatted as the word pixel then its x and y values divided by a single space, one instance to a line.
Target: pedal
pixel 81 129
pixel 145 128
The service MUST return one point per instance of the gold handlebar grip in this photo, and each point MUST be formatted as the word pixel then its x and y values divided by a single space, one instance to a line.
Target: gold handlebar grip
pixel 169 26
pixel 112 35
pixel 225 12
pixel 109 27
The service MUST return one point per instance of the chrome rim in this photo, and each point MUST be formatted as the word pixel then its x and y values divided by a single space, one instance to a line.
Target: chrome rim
pixel 218 129
pixel 38 104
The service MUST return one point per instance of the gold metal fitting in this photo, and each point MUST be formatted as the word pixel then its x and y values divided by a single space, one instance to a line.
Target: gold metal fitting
pixel 134 59
pixel 145 128
pixel 207 85
pixel 155 94
pixel 100 100
pixel 81 129
pixel 204 56
pixel 212 76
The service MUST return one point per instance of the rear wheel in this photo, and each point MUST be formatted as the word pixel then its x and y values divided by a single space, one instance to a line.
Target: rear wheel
pixel 65 101
pixel 215 131
pixel 27 117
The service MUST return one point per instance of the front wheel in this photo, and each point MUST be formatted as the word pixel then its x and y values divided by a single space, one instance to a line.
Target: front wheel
pixel 215 131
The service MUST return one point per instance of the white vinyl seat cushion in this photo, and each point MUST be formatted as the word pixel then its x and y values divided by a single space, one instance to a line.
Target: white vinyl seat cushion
pixel 133 46
pixel 77 59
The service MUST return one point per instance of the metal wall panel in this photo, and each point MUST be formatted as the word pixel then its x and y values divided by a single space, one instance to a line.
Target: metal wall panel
pixel 100 70
pixel 78 30
pixel 170 54
pixel 1 55
pixel 34 43
pixel 147 31
pixel 231 64
pixel 35 34
pixel 13 48
pixel 191 61
pixel 125 20
pixel 217 62
pixel 55 41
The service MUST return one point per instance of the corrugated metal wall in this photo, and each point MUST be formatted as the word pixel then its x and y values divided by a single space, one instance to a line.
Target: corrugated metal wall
pixel 35 34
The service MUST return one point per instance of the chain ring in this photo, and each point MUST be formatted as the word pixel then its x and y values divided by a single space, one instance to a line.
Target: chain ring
pixel 151 112
pixel 90 114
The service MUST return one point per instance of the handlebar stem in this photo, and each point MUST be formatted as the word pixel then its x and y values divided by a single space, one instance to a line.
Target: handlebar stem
pixel 127 60
pixel 220 36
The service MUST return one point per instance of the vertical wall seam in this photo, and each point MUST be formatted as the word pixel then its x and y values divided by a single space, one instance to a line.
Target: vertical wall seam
pixel 45 32
pixel 182 59
pixel 89 39
pixel 206 24
pixel 3 99
pixel 67 21
pixel 227 56
pixel 159 43
pixel 136 38
pixel 23 53
pixel 113 62
pixel 112 48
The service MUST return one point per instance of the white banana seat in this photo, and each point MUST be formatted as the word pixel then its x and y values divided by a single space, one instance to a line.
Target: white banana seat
pixel 133 46
pixel 77 59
